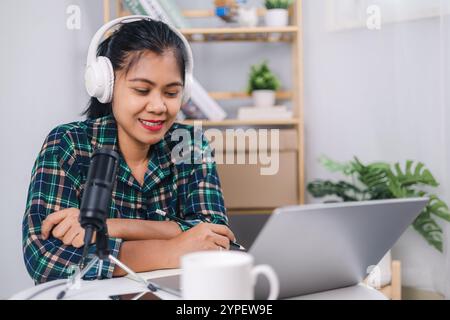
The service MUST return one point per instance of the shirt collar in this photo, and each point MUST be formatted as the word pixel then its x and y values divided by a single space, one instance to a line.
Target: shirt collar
pixel 105 136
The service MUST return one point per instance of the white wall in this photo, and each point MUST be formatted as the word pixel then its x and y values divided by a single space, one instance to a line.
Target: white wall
pixel 41 86
pixel 379 95
pixel 367 93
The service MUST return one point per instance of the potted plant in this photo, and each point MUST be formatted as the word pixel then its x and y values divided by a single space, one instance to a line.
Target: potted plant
pixel 262 85
pixel 382 180
pixel 277 12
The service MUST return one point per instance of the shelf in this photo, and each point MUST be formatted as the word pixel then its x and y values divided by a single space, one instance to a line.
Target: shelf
pixel 209 13
pixel 258 34
pixel 237 122
pixel 227 95
pixel 239 30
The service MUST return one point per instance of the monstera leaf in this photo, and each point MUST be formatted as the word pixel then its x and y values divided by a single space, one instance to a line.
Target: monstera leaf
pixel 341 189
pixel 421 175
pixel 429 229
pixel 438 208
pixel 425 223
pixel 335 166
pixel 375 177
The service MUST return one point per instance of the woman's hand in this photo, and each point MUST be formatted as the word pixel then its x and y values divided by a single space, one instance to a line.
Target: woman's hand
pixel 204 236
pixel 66 227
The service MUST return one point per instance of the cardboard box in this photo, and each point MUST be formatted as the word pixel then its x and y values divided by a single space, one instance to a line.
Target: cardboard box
pixel 245 187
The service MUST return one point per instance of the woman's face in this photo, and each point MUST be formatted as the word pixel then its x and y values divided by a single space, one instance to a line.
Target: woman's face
pixel 147 98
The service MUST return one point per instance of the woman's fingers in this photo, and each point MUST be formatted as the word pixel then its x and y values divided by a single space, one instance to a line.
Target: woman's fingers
pixel 222 241
pixel 223 230
pixel 215 241
pixel 70 235
pixel 52 220
pixel 78 241
pixel 60 230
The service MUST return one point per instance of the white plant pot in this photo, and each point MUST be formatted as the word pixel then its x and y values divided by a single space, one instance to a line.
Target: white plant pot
pixel 263 98
pixel 386 269
pixel 276 18
pixel 381 275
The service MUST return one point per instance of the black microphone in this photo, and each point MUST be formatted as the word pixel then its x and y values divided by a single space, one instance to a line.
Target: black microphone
pixel 96 201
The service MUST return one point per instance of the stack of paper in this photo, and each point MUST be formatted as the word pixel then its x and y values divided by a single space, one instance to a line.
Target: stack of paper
pixel 254 113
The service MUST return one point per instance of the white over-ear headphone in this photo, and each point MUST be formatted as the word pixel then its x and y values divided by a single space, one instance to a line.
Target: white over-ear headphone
pixel 99 74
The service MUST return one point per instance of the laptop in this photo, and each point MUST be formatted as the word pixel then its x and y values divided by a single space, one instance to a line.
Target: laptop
pixel 320 247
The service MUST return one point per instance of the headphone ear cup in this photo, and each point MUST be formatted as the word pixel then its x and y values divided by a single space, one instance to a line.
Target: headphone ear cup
pixel 187 88
pixel 108 78
pixel 99 79
pixel 91 79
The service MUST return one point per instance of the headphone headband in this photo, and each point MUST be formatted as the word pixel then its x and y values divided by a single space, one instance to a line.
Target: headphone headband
pixel 100 79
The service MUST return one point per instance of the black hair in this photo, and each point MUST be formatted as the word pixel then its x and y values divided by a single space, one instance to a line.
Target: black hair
pixel 125 47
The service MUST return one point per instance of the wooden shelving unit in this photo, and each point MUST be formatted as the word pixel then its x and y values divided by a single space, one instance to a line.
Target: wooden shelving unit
pixel 291 34
pixel 256 34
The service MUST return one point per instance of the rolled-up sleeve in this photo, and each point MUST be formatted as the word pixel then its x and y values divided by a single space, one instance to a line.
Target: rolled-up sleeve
pixel 55 185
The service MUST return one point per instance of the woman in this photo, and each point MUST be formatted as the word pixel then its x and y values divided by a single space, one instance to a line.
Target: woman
pixel 148 60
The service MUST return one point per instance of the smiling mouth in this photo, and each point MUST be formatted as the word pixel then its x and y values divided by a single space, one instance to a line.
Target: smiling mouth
pixel 152 123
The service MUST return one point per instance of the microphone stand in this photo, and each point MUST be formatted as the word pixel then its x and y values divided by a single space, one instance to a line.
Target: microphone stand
pixel 102 254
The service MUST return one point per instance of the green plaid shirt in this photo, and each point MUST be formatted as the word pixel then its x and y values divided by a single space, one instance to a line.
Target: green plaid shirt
pixel 190 190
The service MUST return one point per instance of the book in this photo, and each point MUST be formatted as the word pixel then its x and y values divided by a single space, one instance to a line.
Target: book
pixel 149 8
pixel 174 13
pixel 135 7
pixel 191 111
pixel 155 7
pixel 206 104
pixel 180 116
pixel 253 113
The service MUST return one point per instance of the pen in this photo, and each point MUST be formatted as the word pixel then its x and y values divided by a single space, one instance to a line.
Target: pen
pixel 233 245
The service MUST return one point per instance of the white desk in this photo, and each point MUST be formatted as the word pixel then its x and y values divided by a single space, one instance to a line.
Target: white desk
pixel 97 289
pixel 102 289
pixel 358 292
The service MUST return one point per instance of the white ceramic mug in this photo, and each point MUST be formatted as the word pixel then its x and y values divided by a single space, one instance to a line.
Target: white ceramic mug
pixel 223 275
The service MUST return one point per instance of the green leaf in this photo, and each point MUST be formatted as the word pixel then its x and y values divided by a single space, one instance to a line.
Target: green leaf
pixel 438 207
pixel 421 175
pixel 396 188
pixel 262 78
pixel 429 229
pixel 278 4
pixel 376 177
pixel 341 189
pixel 335 166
